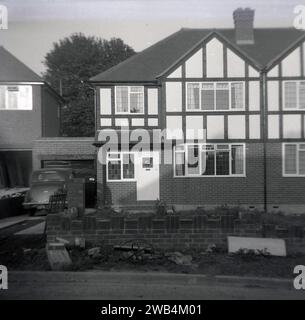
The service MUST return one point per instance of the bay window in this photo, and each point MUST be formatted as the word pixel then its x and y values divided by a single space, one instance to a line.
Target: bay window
pixel 209 160
pixel 129 99
pixel 215 96
pixel 16 97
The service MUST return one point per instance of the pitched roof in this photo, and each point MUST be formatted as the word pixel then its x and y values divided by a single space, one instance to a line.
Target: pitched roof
pixel 13 70
pixel 147 65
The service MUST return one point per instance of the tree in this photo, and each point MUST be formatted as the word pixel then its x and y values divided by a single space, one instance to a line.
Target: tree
pixel 70 64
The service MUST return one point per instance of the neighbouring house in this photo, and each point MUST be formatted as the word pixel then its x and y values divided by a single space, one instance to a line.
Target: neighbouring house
pixel 29 108
pixel 242 88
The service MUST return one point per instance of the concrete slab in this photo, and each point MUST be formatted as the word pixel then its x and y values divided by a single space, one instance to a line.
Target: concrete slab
pixel 275 247
pixel 7 222
pixel 58 256
pixel 35 230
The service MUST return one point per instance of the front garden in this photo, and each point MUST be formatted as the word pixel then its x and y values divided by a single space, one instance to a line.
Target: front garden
pixel 162 241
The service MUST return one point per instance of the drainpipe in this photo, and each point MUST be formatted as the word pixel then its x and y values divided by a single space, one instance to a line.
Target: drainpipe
pixel 263 106
pixel 93 88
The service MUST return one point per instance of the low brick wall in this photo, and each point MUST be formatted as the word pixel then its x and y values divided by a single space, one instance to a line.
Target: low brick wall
pixel 172 232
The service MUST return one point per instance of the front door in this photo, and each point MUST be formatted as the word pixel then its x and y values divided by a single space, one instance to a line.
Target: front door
pixel 147 176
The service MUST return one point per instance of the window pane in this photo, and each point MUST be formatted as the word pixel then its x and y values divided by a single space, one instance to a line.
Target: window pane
pixel 208 163
pixel 180 148
pixel 302 95
pixel 193 160
pixel 290 159
pixel 290 95
pixel 114 169
pixel 147 162
pixel 302 162
pixel 114 155
pixel 136 100
pixel 208 147
pixel 193 96
pixel 12 96
pixel 222 163
pixel 237 160
pixel 222 147
pixel 128 166
pixel 180 163
pixel 25 97
pixel 122 99
pixel 222 96
pixel 237 95
pixel 2 97
pixel 207 96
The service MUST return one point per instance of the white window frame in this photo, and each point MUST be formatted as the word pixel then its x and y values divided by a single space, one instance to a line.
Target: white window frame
pixel 121 153
pixel 185 145
pixel 297 97
pixel 6 100
pixel 128 112
pixel 297 174
pixel 214 83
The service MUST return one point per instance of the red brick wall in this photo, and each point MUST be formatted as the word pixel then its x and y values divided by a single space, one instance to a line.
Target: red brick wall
pixel 171 232
pixel 212 191
pixel 116 192
pixel 232 191
pixel 281 190
pixel 62 148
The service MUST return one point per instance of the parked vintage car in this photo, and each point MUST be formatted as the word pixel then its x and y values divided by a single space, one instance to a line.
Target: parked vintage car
pixel 83 169
pixel 44 183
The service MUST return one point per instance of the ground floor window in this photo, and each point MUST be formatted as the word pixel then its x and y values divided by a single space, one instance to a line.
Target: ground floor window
pixel 120 166
pixel 195 160
pixel 294 159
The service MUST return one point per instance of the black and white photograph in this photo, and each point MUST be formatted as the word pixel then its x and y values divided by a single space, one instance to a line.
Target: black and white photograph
pixel 152 155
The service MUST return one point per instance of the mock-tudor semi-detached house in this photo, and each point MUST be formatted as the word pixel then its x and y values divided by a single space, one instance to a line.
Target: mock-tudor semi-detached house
pixel 29 109
pixel 245 86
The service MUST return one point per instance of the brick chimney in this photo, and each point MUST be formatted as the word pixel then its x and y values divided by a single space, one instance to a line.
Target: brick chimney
pixel 243 21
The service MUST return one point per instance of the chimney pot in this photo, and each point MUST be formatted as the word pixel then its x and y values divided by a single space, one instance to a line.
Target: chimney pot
pixel 243 21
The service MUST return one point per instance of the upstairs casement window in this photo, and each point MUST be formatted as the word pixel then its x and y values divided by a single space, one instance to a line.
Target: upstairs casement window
pixel 294 159
pixel 120 166
pixel 16 97
pixel 201 160
pixel 215 96
pixel 294 95
pixel 129 100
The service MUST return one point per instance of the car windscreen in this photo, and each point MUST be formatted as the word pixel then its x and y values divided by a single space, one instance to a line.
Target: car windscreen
pixel 49 176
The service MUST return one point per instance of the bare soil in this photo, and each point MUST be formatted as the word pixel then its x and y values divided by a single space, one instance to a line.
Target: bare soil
pixel 28 253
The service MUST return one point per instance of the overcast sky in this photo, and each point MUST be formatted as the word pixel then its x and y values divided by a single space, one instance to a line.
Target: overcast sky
pixel 35 24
